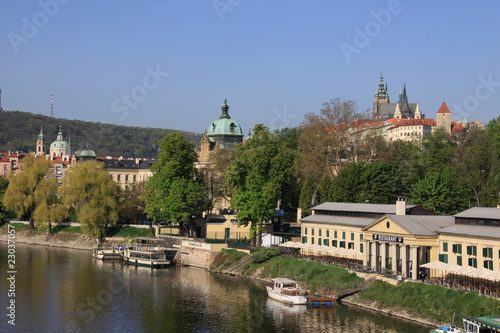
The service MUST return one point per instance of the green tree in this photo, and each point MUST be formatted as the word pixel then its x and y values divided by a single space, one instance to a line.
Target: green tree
pixel 478 165
pixel 131 203
pixel 176 190
pixel 306 195
pixel 4 212
pixel 440 192
pixel 406 160
pixel 20 194
pixel 260 176
pixel 347 186
pixel 90 189
pixel 380 183
pixel 49 208
pixel 325 191
pixel 437 150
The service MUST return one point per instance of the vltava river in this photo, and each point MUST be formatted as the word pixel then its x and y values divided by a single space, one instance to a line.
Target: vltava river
pixel 63 290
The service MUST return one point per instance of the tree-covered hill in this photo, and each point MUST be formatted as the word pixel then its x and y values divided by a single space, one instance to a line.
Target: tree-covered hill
pixel 19 132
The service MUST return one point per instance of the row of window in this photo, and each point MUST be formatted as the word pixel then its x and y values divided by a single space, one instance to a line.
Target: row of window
pixel 334 243
pixel 335 234
pixel 471 250
pixel 472 262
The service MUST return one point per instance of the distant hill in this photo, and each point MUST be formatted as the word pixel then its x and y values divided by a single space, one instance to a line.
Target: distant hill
pixel 19 132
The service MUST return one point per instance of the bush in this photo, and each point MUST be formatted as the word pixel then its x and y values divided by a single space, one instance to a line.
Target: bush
pixel 263 254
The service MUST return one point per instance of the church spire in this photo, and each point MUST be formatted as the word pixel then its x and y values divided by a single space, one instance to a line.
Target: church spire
pixel 400 100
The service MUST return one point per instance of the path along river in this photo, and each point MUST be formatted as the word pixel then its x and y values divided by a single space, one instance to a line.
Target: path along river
pixel 65 290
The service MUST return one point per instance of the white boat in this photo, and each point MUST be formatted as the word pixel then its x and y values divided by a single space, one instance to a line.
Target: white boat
pixel 286 291
pixel 151 256
pixel 107 253
pixel 469 326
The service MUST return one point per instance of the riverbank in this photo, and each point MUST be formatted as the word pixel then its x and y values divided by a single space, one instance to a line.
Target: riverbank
pixel 414 301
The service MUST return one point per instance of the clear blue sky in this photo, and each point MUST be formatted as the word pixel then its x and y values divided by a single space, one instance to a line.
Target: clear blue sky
pixel 273 60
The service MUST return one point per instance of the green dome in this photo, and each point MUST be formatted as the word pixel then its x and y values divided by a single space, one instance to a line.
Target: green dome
pixel 85 152
pixel 225 125
pixel 59 143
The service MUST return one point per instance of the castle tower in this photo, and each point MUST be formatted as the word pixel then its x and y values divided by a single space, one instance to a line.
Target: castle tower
pixel 381 96
pixel 443 118
pixel 40 143
pixel 1 100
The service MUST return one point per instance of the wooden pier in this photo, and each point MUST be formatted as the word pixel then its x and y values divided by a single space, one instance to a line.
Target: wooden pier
pixel 327 297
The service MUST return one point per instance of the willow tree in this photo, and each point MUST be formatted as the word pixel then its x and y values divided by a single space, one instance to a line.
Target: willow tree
pixel 24 193
pixel 91 190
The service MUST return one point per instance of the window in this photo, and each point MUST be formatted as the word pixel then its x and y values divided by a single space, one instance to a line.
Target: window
pixel 304 239
pixel 488 252
pixel 126 178
pixel 473 262
pixel 325 242
pixel 334 243
pixel 352 235
pixel 350 245
pixel 360 237
pixel 488 264
pixel 457 248
pixel 134 178
pixel 361 247
pixel 459 260
pixel 312 240
pixel 343 234
pixel 445 247
pixel 319 241
pixel 342 244
pixel 328 233
pixel 443 258
pixel 319 232
pixel 117 178
pixel 312 231
pixel 335 235
pixel 472 251
pixel 305 231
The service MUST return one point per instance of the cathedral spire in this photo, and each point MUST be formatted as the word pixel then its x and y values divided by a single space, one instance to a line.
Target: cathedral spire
pixel 400 100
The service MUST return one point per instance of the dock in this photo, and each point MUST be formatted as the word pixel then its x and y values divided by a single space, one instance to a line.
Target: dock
pixel 328 297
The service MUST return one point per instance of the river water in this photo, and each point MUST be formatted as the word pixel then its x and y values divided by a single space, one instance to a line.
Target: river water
pixel 64 290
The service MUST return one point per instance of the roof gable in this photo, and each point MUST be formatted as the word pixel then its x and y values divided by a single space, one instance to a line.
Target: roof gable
pixel 444 108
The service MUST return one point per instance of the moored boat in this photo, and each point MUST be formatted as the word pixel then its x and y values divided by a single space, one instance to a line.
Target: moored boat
pixel 286 291
pixel 151 256
pixel 107 253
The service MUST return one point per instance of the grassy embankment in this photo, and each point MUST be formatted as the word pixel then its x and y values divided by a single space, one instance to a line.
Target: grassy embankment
pixel 416 299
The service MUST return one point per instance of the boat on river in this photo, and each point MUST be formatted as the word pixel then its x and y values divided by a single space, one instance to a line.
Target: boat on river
pixel 107 253
pixel 286 291
pixel 150 256
pixel 470 326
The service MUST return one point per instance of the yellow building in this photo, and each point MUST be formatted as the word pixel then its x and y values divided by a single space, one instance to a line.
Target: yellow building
pixel 226 227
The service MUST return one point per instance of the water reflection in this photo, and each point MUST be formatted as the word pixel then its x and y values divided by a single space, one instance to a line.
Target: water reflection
pixel 62 290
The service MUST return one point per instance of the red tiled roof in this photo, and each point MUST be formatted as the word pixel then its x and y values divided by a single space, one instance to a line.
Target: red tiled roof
pixel 413 122
pixel 444 108
pixel 456 127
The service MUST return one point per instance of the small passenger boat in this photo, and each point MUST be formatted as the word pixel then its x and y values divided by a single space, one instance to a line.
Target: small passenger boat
pixel 150 256
pixel 469 326
pixel 107 253
pixel 286 291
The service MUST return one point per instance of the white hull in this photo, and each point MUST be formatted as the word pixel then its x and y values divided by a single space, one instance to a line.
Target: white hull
pixel 287 299
pixel 107 254
pixel 150 257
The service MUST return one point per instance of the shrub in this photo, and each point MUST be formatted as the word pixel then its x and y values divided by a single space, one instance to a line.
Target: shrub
pixel 263 254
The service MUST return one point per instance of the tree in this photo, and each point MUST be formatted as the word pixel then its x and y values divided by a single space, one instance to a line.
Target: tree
pixel 90 189
pixel 479 167
pixel 380 183
pixel 20 196
pixel 49 208
pixel 131 203
pixel 325 191
pixel 334 138
pixel 175 190
pixel 259 175
pixel 307 194
pixel 347 186
pixel 4 212
pixel 405 159
pixel 437 150
pixel 440 192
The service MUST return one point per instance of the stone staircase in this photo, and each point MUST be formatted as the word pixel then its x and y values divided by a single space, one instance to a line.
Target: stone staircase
pixel 238 267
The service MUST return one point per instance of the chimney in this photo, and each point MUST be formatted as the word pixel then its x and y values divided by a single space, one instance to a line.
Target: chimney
pixel 401 206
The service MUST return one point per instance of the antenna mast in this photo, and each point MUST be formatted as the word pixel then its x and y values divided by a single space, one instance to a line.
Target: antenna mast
pixel 52 105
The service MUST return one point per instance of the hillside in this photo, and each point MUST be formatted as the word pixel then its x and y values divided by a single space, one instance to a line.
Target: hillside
pixel 19 132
